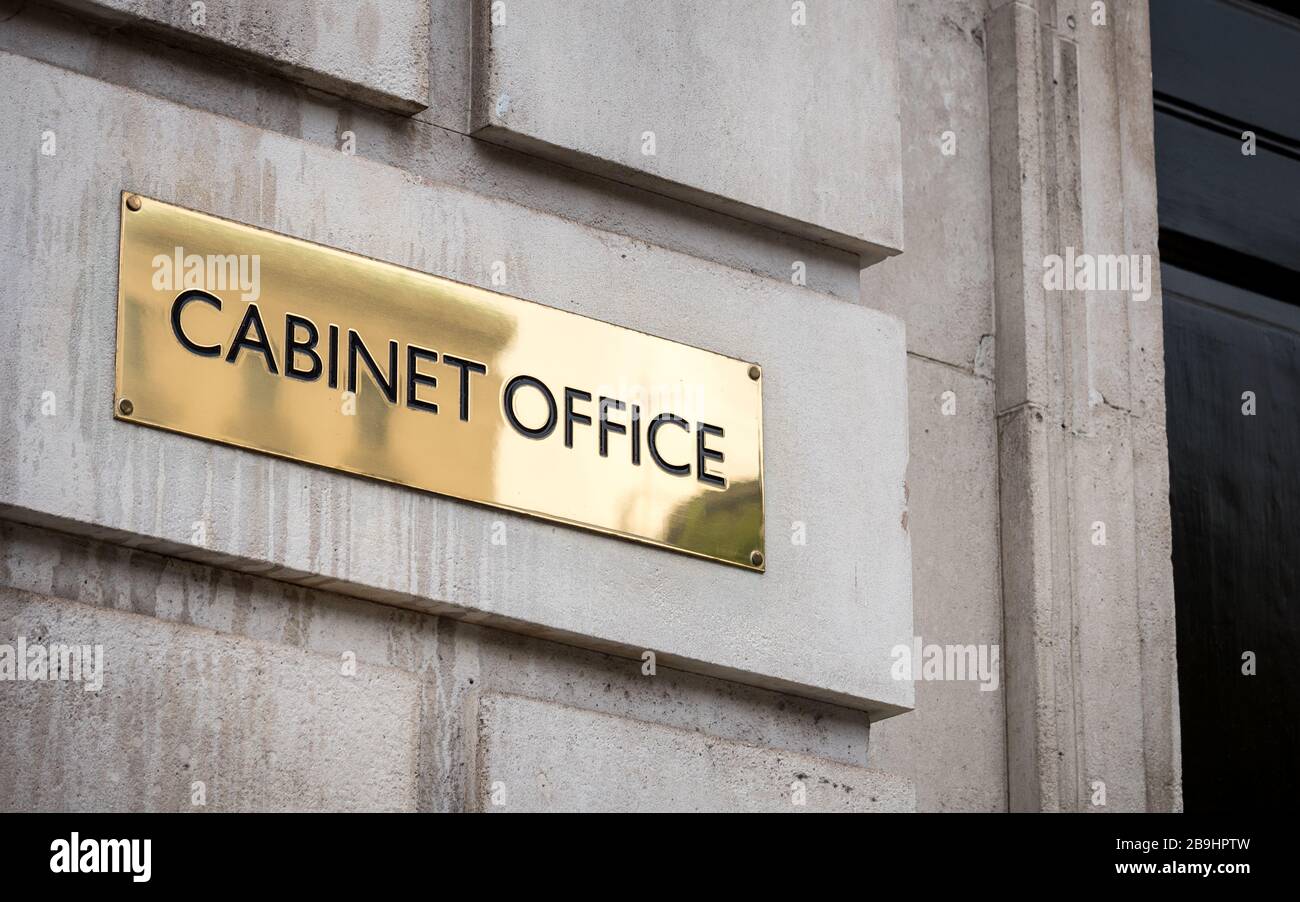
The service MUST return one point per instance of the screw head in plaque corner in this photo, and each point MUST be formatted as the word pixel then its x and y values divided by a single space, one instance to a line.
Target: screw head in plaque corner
pixel 125 407
pixel 133 203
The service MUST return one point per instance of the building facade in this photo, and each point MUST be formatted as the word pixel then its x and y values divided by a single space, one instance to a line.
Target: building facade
pixel 965 598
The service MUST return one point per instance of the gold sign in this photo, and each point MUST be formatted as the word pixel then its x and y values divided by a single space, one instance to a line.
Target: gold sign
pixel 243 336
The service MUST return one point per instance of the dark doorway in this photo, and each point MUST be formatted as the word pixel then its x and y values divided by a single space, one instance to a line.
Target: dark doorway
pixel 1230 250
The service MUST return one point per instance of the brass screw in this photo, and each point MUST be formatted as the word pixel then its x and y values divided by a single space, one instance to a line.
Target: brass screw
pixel 133 202
pixel 126 407
pixel 756 558
pixel 754 372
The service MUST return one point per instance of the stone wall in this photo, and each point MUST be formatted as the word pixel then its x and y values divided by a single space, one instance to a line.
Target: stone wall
pixel 859 199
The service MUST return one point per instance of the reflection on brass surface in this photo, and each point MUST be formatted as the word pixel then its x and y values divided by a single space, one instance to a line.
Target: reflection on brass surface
pixel 243 336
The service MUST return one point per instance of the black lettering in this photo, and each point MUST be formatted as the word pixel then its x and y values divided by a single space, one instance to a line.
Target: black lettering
pixel 387 384
pixel 702 454
pixel 293 347
pixel 252 320
pixel 571 395
pixel 466 367
pixel 651 435
pixel 414 354
pixel 334 356
pixel 513 386
pixel 178 306
pixel 636 435
pixel 606 427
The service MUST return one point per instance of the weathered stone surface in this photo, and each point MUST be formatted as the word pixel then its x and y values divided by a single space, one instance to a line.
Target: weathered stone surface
pixel 454 661
pixel 818 623
pixel 736 97
pixel 538 756
pixel 1051 120
pixel 441 151
pixel 262 726
pixel 1091 690
pixel 942 286
pixel 375 52
pixel 953 745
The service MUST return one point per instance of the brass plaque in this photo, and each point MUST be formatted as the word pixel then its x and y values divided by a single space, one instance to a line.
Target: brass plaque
pixel 243 336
